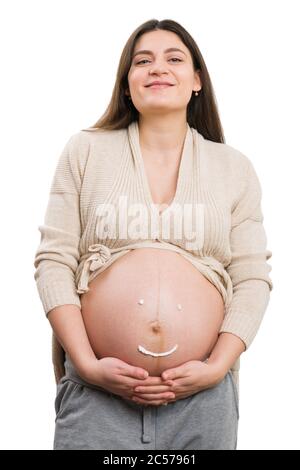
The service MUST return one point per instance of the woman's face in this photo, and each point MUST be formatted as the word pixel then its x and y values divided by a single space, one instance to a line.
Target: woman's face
pixel 158 64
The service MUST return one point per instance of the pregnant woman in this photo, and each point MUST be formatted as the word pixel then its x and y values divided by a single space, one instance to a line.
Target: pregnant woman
pixel 152 265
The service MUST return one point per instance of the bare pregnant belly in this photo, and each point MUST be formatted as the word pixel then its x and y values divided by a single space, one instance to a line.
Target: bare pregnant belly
pixel 153 309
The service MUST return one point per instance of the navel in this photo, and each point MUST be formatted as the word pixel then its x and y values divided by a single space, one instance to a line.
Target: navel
pixel 156 326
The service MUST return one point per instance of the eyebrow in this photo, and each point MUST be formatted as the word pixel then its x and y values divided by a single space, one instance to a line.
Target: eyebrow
pixel 170 49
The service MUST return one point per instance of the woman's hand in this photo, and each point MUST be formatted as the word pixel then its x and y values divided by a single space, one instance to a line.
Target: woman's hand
pixel 182 381
pixel 120 378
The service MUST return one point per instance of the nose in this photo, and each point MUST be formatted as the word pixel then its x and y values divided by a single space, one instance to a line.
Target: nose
pixel 158 66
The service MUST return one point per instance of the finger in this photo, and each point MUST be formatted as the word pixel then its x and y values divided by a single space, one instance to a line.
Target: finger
pixel 135 372
pixel 154 396
pixel 171 374
pixel 155 381
pixel 149 389
pixel 141 401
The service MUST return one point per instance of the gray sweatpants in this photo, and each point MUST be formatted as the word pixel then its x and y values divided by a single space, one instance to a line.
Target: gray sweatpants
pixel 89 417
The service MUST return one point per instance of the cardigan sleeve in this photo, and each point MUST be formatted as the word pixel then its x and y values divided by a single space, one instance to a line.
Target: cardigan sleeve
pixel 248 268
pixel 57 256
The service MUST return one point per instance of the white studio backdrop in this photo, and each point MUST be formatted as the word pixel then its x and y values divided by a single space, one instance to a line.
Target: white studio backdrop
pixel 59 62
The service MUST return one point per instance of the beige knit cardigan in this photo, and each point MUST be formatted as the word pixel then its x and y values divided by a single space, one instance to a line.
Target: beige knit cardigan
pixel 218 198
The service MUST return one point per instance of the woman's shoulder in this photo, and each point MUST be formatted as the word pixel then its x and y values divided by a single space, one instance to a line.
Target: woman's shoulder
pixel 223 157
pixel 103 139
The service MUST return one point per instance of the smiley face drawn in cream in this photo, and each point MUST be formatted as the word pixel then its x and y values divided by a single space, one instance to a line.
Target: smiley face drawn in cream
pixel 156 327
pixel 156 354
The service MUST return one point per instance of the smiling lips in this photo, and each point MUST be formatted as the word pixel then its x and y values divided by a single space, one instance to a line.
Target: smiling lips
pixel 158 84
pixel 150 353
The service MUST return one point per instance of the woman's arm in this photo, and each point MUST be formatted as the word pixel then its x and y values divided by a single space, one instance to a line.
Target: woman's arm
pixel 68 327
pixel 226 351
pixel 57 256
pixel 249 272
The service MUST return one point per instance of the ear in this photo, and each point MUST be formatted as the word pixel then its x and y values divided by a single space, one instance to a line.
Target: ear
pixel 197 80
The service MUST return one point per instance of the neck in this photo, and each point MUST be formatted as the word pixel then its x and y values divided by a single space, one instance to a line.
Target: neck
pixel 161 134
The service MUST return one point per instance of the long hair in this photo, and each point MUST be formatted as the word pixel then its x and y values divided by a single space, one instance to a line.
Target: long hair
pixel 202 112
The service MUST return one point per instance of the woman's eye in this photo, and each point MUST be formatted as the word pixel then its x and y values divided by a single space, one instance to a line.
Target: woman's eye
pixel 141 61
pixel 146 60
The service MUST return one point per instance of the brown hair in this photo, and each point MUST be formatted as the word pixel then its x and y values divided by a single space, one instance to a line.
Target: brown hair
pixel 202 112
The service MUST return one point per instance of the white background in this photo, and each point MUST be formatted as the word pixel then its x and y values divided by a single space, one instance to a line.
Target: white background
pixel 59 62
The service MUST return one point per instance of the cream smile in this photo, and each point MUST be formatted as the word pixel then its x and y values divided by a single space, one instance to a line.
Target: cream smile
pixel 150 353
